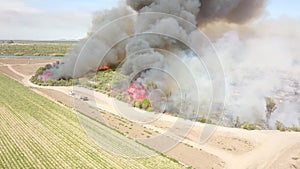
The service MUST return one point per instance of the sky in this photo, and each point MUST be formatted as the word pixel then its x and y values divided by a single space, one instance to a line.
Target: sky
pixel 71 19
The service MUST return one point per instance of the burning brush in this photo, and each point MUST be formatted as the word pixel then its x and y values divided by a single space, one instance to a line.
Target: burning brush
pixel 152 34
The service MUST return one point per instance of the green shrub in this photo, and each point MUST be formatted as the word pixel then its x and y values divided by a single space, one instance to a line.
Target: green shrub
pixel 19 54
pixel 149 109
pixel 203 119
pixel 138 104
pixel 146 104
pixel 294 128
pixel 190 167
pixel 280 126
pixel 150 85
pixel 34 79
pixel 248 126
pixel 40 71
pixel 58 54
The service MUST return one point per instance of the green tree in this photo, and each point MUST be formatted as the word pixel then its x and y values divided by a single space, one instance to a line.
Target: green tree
pixel 270 108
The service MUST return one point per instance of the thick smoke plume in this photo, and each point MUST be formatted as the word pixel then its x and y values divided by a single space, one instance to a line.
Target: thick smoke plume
pixel 260 59
pixel 235 11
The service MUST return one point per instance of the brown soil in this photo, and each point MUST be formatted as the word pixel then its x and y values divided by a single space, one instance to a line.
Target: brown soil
pixel 5 70
pixel 227 148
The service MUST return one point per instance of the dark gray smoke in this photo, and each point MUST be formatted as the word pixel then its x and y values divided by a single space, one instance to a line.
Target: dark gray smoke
pixel 257 61
pixel 236 11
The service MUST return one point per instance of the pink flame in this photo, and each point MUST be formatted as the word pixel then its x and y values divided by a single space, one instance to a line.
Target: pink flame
pixel 45 76
pixel 102 68
pixel 136 92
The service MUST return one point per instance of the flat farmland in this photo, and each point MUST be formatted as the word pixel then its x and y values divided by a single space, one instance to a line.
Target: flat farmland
pixel 38 133
pixel 35 48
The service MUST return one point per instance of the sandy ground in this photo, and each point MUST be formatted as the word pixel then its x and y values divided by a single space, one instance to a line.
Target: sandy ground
pixel 183 140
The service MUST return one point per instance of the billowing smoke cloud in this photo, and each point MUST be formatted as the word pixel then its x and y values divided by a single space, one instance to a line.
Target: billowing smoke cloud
pixel 85 56
pixel 264 63
pixel 259 59
pixel 236 11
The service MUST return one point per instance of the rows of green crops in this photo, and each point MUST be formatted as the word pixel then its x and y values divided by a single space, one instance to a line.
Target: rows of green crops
pixel 38 133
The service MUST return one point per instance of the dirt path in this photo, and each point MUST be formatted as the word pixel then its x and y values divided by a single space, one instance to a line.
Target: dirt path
pixel 227 148
pixel 263 156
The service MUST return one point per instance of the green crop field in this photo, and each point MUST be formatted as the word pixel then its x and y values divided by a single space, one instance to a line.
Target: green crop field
pixel 39 133
pixel 35 48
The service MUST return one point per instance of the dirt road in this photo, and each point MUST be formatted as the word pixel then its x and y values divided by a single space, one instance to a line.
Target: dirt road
pixel 178 138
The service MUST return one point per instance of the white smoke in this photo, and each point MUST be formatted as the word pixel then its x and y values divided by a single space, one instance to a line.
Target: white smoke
pixel 259 59
pixel 265 64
